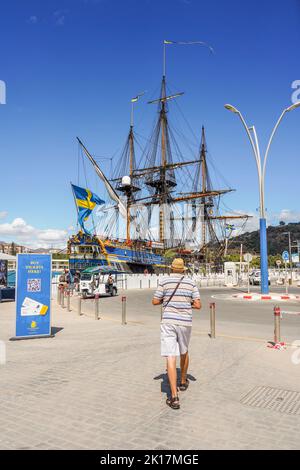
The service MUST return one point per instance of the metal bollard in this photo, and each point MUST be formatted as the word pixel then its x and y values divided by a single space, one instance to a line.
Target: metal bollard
pixel 140 283
pixel 58 295
pixel 79 305
pixel 124 310
pixel 212 309
pixel 62 303
pixel 68 300
pixel 276 324
pixel 97 306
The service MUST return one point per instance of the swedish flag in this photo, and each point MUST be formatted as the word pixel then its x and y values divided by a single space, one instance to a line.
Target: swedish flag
pixel 86 202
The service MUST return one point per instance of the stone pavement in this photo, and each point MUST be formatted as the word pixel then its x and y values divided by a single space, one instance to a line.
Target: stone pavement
pixel 101 385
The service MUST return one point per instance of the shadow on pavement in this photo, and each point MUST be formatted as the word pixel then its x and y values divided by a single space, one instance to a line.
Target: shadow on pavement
pixel 165 387
pixel 55 329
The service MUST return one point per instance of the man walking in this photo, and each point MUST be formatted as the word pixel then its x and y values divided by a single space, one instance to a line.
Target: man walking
pixel 178 294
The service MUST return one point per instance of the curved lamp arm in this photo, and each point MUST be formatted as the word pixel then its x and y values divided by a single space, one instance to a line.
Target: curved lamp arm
pixel 255 148
pixel 259 169
pixel 258 162
pixel 254 145
pixel 286 110
pixel 270 142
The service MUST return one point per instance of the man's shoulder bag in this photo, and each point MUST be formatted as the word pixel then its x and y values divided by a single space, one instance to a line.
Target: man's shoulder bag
pixel 174 292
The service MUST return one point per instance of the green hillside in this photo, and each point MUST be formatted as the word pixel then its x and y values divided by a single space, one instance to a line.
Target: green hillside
pixel 277 240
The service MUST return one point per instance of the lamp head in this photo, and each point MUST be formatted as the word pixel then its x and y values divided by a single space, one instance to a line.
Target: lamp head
pixel 293 106
pixel 231 108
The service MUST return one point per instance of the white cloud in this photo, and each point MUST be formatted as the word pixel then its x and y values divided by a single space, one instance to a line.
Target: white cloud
pixel 3 214
pixel 60 21
pixel 51 235
pixel 287 215
pixel 33 19
pixel 243 225
pixel 21 232
pixel 59 17
pixel 252 224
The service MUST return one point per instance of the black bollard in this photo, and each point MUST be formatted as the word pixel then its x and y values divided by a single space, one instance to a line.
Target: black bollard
pixel 276 324
pixel 212 308
pixel 124 310
pixel 79 305
pixel 97 306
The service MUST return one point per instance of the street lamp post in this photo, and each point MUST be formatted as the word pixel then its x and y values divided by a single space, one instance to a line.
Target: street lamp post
pixel 261 171
pixel 290 254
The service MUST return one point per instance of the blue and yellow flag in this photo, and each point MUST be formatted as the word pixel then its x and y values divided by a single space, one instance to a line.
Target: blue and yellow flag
pixel 86 202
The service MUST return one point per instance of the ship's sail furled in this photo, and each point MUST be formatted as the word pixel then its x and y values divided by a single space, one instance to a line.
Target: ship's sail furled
pixel 112 193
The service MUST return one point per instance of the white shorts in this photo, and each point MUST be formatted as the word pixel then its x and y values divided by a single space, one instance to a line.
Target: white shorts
pixel 174 339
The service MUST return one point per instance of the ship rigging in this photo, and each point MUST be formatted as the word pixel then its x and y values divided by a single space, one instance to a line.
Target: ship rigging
pixel 159 182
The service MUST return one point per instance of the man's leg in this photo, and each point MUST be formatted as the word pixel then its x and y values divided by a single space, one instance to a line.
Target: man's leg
pixel 172 375
pixel 184 364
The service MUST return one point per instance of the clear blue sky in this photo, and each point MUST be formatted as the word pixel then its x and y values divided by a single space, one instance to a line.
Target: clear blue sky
pixel 71 67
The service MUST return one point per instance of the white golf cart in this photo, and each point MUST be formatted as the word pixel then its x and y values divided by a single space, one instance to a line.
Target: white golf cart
pixel 98 280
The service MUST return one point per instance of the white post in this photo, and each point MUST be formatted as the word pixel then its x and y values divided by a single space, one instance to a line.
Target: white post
pixel 248 264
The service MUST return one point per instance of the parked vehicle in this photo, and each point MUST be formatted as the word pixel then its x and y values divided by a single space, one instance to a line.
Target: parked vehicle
pixel 255 278
pixel 98 280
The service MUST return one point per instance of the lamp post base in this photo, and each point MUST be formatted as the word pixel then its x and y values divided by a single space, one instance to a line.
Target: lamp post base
pixel 264 274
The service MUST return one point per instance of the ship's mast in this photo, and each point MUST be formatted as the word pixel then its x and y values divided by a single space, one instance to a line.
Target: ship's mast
pixel 127 185
pixel 131 156
pixel 129 192
pixel 166 182
pixel 204 187
pixel 166 179
pixel 163 200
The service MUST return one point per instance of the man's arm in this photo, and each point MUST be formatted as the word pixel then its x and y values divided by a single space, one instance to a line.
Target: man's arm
pixel 156 301
pixel 158 295
pixel 197 304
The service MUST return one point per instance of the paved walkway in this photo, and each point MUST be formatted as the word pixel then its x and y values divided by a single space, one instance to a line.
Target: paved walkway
pixel 101 385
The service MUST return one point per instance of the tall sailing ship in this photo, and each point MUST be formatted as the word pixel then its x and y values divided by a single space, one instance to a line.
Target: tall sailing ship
pixel 166 204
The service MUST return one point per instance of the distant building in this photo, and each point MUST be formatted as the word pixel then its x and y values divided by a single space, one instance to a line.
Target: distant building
pixel 12 248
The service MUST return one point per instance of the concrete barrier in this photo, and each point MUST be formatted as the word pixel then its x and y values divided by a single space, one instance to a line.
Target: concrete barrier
pixel 151 281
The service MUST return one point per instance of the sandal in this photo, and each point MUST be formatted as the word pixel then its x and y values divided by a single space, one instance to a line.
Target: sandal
pixel 173 403
pixel 183 387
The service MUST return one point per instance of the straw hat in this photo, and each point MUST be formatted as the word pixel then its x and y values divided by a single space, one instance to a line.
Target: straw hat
pixel 178 265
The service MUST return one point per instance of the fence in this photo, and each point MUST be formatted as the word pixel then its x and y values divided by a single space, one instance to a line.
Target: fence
pixel 151 281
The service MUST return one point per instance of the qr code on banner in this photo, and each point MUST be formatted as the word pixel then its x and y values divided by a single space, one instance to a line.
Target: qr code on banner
pixel 34 285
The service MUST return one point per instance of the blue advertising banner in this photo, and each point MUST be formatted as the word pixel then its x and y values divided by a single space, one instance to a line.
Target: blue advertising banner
pixel 33 297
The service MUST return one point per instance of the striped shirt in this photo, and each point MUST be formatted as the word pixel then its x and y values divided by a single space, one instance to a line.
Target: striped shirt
pixel 179 309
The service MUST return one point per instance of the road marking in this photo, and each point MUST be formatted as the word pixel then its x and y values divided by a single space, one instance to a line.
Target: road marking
pixel 290 313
